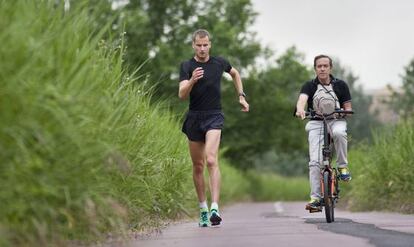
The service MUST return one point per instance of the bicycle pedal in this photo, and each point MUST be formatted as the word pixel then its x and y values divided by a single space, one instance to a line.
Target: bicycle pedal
pixel 315 210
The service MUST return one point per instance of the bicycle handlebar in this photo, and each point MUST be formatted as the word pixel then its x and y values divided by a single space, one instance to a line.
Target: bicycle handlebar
pixel 313 115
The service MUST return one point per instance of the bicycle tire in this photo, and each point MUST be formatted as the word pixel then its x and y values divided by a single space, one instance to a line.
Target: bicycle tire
pixel 335 193
pixel 327 197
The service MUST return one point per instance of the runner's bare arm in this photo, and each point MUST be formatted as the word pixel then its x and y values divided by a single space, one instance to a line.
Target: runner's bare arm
pixel 187 85
pixel 239 88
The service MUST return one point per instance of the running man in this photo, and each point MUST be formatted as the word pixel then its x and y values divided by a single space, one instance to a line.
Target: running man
pixel 200 78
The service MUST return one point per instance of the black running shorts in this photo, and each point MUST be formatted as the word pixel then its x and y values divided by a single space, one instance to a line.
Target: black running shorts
pixel 197 123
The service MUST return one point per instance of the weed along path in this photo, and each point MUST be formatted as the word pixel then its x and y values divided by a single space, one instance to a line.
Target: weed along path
pixel 287 224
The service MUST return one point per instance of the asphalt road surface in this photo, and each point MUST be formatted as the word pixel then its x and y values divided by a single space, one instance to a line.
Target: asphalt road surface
pixel 286 224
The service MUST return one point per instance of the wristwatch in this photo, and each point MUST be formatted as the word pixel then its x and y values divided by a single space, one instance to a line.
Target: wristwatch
pixel 242 94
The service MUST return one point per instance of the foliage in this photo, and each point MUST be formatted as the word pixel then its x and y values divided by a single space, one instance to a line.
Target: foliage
pixel 83 153
pixel 234 184
pixel 383 173
pixel 270 126
pixel 272 187
pixel 402 100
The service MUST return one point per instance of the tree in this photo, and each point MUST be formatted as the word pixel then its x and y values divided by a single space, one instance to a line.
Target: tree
pixel 268 136
pixel 402 101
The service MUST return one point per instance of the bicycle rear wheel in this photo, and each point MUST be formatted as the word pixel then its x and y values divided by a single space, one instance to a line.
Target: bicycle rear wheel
pixel 327 197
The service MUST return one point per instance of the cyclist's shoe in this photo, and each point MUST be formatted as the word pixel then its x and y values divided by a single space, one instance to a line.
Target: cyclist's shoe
pixel 313 205
pixel 344 174
pixel 215 218
pixel 203 217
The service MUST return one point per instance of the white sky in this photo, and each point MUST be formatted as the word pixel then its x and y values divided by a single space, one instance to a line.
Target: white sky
pixel 373 38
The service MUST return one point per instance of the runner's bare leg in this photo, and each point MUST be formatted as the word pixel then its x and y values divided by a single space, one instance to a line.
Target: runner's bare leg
pixel 211 149
pixel 197 156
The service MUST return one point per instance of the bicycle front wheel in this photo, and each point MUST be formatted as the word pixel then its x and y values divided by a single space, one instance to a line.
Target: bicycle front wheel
pixel 327 197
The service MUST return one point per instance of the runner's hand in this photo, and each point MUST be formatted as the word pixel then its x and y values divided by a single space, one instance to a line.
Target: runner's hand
pixel 244 104
pixel 198 73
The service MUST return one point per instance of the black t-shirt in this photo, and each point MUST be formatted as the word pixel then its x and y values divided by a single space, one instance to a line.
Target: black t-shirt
pixel 340 88
pixel 205 94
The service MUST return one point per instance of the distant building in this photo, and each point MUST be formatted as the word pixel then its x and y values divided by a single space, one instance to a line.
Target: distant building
pixel 379 106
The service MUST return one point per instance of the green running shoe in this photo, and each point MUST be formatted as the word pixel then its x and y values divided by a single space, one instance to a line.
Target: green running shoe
pixel 215 218
pixel 203 217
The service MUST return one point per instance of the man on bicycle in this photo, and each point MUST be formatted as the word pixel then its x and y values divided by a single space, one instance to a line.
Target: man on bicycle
pixel 200 79
pixel 321 93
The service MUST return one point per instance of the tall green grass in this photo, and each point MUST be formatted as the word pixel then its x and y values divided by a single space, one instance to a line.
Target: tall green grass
pixel 82 151
pixel 273 187
pixel 384 172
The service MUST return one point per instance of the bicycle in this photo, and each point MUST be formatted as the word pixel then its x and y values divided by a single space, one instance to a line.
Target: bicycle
pixel 329 174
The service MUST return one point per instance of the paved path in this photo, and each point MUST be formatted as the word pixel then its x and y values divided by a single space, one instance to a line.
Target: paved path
pixel 288 224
